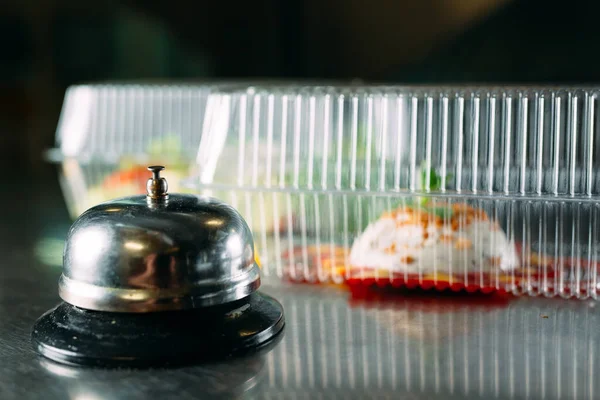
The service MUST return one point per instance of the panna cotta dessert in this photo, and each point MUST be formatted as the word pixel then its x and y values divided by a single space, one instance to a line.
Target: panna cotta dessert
pixel 447 238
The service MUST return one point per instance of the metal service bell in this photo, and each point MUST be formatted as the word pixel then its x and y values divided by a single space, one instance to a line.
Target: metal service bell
pixel 157 279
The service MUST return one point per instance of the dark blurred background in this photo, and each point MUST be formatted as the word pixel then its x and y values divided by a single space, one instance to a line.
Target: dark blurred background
pixel 47 45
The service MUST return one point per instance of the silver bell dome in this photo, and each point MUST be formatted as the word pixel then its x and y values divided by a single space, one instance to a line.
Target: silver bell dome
pixel 158 252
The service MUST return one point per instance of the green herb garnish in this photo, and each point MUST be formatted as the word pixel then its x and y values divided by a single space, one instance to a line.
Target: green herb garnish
pixel 433 181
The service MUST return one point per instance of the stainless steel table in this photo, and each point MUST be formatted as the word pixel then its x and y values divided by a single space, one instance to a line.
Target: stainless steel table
pixel 335 345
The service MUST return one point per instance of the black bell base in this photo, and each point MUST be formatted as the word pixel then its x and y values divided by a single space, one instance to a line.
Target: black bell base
pixel 75 336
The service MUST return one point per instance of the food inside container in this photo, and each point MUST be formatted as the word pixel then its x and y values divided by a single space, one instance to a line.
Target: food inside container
pixel 424 236
pixel 419 240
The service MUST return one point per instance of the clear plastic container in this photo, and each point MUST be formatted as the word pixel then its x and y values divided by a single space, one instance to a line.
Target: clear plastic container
pixel 476 188
pixel 108 133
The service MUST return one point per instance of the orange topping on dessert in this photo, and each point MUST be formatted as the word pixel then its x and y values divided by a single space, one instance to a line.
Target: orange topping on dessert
pixel 463 244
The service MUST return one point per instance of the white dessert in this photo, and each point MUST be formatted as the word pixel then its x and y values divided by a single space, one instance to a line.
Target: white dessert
pixel 415 240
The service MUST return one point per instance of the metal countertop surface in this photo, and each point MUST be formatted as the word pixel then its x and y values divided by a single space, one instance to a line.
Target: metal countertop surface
pixel 335 344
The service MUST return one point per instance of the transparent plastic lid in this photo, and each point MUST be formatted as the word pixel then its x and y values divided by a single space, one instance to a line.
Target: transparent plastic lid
pixel 455 187
pixel 109 133
pixel 105 122
pixel 497 141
